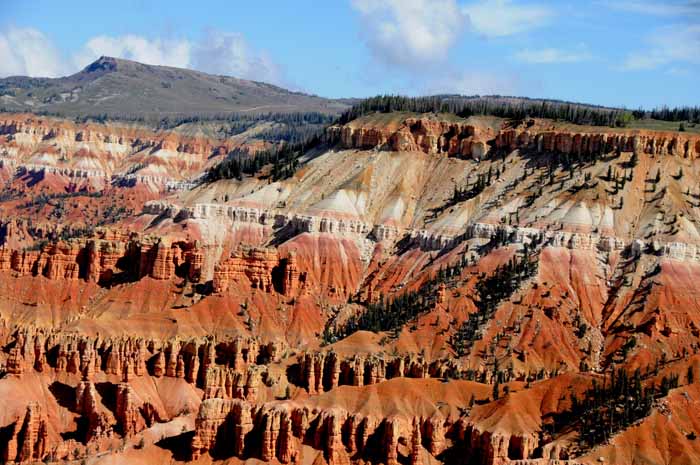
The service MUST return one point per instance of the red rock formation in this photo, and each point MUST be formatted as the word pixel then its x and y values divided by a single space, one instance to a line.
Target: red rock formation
pixel 416 446
pixel 97 261
pixel 260 268
pixel 435 136
pixel 105 144
pixel 323 371
pixel 127 358
pixel 277 436
pixel 15 362
pixel 99 422
pixel 416 135
pixel 280 429
pixel 231 383
pixel 128 411
pixel 28 441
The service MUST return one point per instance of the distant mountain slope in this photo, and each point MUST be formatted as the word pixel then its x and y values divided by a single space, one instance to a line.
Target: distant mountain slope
pixel 117 87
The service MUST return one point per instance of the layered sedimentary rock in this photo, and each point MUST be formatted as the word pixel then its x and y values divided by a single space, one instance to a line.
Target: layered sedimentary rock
pixel 277 430
pixel 128 411
pixel 232 383
pixel 102 153
pixel 262 268
pixel 323 371
pixel 417 135
pixel 435 136
pixel 603 293
pixel 98 260
pixel 192 359
pixel 99 422
pixel 686 146
pixel 28 438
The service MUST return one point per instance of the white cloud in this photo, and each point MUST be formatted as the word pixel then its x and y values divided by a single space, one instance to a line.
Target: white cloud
pixel 470 83
pixel 552 55
pixel 410 32
pixel 499 18
pixel 674 44
pixel 28 52
pixel 230 54
pixel 132 47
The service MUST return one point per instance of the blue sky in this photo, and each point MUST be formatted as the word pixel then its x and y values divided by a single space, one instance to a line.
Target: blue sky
pixel 628 52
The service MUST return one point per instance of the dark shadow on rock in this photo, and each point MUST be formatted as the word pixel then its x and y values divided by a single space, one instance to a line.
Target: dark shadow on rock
pixel 64 394
pixel 178 445
pixel 108 393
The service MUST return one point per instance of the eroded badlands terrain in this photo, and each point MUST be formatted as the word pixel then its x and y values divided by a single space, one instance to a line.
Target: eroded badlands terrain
pixel 424 289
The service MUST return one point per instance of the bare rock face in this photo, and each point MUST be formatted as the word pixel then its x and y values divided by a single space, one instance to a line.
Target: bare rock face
pixel 234 416
pixel 28 441
pixel 98 260
pixel 433 136
pixel 109 146
pixel 99 422
pixel 323 371
pixel 416 446
pixel 128 411
pixel 281 428
pixel 416 135
pixel 15 362
pixel 260 268
pixel 128 357
pixel 277 437
pixel 599 143
pixel 498 447
pixel 231 383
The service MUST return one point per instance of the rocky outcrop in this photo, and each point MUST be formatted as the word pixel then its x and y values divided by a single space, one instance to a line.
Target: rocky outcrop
pixel 260 268
pixel 323 371
pixel 99 421
pixel 235 214
pixel 429 135
pixel 497 447
pixel 28 438
pixel 233 383
pixel 128 411
pixel 416 135
pixel 592 143
pixel 330 225
pixel 98 260
pixel 15 362
pixel 191 359
pixel 90 152
pixel 279 429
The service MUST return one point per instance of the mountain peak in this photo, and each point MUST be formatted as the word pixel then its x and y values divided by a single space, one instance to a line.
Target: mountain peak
pixel 102 64
pixel 116 86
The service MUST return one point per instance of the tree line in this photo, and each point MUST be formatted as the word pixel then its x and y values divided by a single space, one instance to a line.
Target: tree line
pixel 516 108
pixel 505 107
pixel 491 290
pixel 283 157
pixel 606 409
pixel 665 113
pixel 391 314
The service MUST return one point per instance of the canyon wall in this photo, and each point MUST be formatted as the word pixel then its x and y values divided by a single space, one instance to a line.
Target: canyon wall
pixel 466 140
pixel 101 261
pixel 263 268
